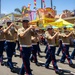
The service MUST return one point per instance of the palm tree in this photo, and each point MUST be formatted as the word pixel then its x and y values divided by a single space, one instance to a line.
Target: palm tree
pixel 18 10
pixel 67 13
pixel 24 8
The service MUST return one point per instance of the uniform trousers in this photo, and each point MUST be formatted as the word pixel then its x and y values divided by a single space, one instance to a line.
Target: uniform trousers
pixel 65 54
pixel 34 53
pixel 73 53
pixel 10 46
pixel 25 54
pixel 60 47
pixel 1 50
pixel 51 57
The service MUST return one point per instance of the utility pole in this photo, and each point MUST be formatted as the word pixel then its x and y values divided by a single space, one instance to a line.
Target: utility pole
pixel 51 3
pixel 41 4
pixel 0 7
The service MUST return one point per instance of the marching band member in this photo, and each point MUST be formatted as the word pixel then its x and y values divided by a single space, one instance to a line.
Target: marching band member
pixel 2 40
pixel 73 37
pixel 51 48
pixel 60 42
pixel 24 35
pixel 34 39
pixel 65 46
pixel 38 41
pixel 10 36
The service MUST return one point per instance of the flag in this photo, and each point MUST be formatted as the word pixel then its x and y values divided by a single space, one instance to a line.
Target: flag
pixel 23 10
pixel 28 8
pixel 34 4
pixel 44 3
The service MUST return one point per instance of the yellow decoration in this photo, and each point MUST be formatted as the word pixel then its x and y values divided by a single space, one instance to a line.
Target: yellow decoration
pixel 64 22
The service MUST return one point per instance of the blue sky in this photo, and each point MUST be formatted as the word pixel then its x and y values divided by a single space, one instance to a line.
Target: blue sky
pixel 8 6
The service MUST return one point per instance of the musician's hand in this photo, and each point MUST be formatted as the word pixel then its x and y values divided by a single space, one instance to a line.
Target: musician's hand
pixel 57 33
pixel 71 32
pixel 32 27
pixel 64 36
pixel 12 24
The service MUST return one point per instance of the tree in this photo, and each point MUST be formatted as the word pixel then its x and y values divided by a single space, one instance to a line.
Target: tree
pixel 22 10
pixel 67 13
pixel 18 10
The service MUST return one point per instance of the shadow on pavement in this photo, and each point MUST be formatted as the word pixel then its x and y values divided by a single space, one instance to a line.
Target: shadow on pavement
pixel 62 72
pixel 5 63
pixel 65 72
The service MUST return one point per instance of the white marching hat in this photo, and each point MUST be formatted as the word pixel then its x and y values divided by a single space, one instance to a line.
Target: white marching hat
pixel 48 27
pixel 1 23
pixel 8 21
pixel 25 18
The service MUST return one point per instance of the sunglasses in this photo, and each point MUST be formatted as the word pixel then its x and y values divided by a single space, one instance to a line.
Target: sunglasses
pixel 8 22
pixel 1 26
pixel 74 27
pixel 65 28
pixel 50 28
pixel 26 21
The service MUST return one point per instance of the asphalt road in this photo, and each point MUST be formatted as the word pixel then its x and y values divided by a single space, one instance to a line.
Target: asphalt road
pixel 39 70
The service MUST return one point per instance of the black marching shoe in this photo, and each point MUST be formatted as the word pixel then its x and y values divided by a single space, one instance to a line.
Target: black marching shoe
pixel 2 63
pixel 47 67
pixel 58 72
pixel 57 54
pixel 71 64
pixel 13 70
pixel 37 64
